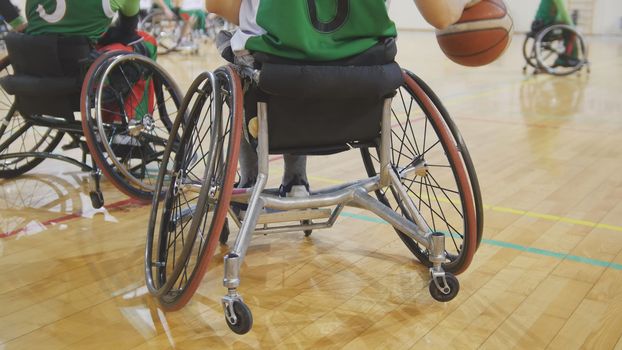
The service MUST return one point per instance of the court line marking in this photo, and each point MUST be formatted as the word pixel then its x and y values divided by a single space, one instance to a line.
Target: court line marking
pixel 114 206
pixel 555 218
pixel 451 101
pixel 519 212
pixel 514 246
pixel 537 251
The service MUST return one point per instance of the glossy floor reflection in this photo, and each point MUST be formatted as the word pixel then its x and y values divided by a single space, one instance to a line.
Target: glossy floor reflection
pixel 548 273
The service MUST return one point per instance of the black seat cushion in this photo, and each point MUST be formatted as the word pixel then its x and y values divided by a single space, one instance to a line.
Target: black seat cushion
pixel 330 82
pixel 329 107
pixel 47 72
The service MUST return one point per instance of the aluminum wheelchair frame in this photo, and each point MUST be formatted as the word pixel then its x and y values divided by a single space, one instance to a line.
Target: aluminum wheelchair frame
pixel 167 274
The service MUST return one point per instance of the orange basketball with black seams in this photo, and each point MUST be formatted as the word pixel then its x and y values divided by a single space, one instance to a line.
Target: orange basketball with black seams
pixel 480 36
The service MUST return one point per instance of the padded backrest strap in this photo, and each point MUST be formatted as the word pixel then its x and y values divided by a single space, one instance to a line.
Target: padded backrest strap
pixel 34 55
pixel 46 55
pixel 330 82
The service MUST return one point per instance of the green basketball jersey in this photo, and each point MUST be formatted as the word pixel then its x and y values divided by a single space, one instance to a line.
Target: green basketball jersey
pixel 89 18
pixel 319 30
pixel 553 11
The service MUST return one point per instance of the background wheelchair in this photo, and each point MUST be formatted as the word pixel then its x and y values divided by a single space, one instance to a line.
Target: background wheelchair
pixel 168 32
pixel 127 102
pixel 558 49
pixel 417 165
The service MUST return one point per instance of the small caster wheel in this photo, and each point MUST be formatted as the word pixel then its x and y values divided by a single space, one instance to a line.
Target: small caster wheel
pixel 97 199
pixel 307 232
pixel 224 234
pixel 244 318
pixel 446 292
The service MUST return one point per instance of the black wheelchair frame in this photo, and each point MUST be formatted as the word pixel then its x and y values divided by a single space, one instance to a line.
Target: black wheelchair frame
pixel 545 50
pixel 41 98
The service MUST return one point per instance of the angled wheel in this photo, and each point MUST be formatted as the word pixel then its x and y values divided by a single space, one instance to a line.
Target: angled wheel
pixel 446 289
pixel 184 229
pixel 529 51
pixel 167 32
pixel 443 185
pixel 128 105
pixel 18 135
pixel 560 50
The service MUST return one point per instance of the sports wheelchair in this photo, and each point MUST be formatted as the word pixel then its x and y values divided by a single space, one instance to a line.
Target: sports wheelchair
pixel 126 100
pixel 557 49
pixel 169 32
pixel 417 167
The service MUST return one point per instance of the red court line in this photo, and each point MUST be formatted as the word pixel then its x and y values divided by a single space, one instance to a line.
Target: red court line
pixel 117 205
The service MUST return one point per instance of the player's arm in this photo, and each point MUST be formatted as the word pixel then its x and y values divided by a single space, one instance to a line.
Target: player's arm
pixel 125 30
pixel 228 9
pixel 562 13
pixel 442 13
pixel 167 10
pixel 11 15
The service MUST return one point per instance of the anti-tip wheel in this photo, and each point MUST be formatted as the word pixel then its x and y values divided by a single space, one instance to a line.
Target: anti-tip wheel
pixel 97 199
pixel 224 234
pixel 244 318
pixel 307 232
pixel 444 295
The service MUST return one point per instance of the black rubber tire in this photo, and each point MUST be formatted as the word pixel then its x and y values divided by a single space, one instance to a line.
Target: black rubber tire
pixel 244 318
pixel 454 288
pixel 149 144
pixel 97 199
pixel 464 252
pixel 566 31
pixel 224 234
pixel 176 263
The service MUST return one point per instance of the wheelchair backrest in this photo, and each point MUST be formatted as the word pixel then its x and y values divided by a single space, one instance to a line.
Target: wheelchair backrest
pixel 47 72
pixel 330 107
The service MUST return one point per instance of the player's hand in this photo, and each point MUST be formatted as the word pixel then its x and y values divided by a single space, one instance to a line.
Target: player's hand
pixel 20 28
pixel 471 3
pixel 117 35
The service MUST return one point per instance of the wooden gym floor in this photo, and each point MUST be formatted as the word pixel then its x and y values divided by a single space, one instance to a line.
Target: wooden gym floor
pixel 548 274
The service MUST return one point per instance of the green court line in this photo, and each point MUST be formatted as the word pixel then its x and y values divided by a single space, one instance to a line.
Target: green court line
pixel 507 245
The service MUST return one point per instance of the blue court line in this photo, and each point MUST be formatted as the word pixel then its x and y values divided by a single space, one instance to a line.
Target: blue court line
pixel 507 245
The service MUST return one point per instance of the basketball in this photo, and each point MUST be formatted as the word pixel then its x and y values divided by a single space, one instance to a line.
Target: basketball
pixel 480 36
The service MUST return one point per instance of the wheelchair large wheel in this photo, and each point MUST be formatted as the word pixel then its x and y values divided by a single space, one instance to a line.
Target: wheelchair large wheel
pixel 184 229
pixel 560 50
pixel 19 136
pixel 445 188
pixel 167 32
pixel 128 104
pixel 529 51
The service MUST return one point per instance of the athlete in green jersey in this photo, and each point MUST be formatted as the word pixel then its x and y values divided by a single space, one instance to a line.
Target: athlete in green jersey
pixel 320 30
pixel 554 12
pixel 313 30
pixel 90 18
